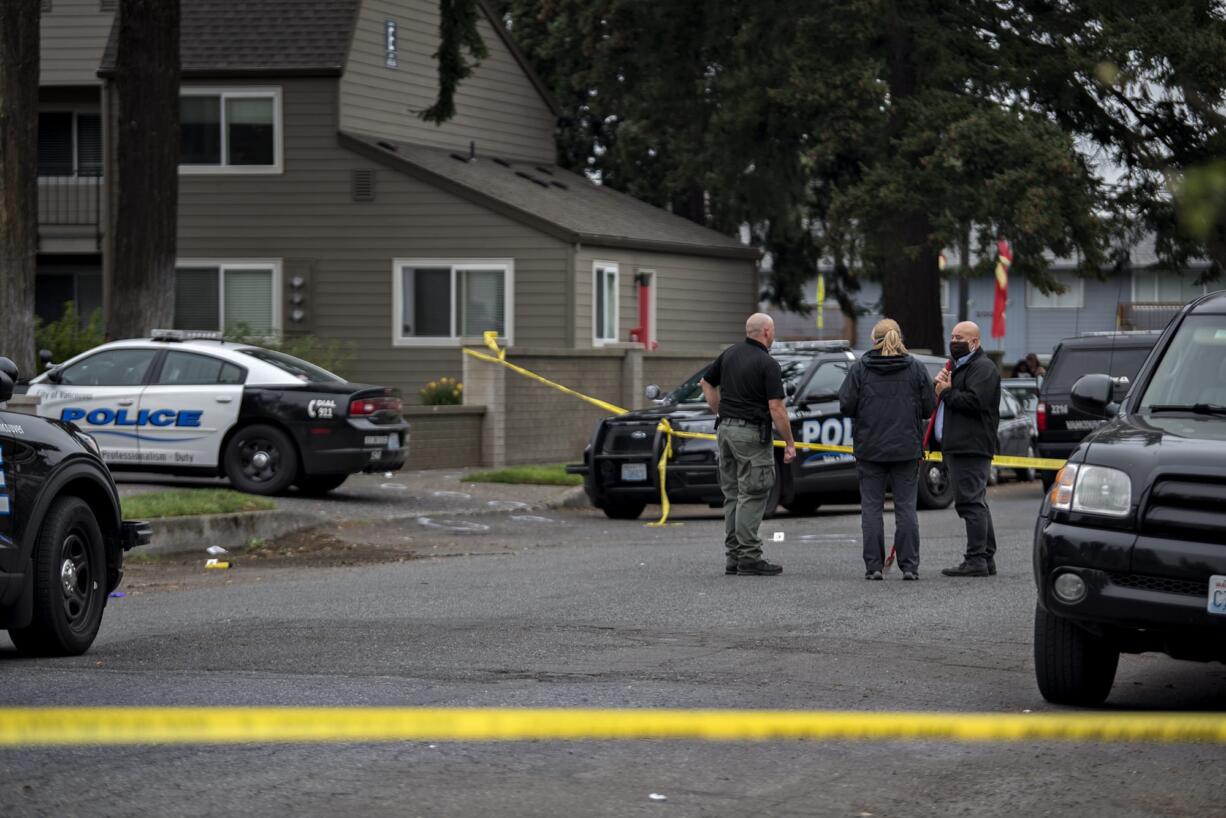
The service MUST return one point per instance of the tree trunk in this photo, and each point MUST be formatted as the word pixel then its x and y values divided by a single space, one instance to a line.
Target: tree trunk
pixel 19 42
pixel 141 289
pixel 911 284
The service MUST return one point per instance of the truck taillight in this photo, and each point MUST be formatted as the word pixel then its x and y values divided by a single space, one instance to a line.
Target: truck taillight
pixel 369 406
pixel 1040 417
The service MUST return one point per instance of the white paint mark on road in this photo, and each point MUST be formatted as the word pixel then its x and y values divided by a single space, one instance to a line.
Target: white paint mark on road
pixel 509 505
pixel 459 495
pixel 531 518
pixel 453 525
pixel 394 486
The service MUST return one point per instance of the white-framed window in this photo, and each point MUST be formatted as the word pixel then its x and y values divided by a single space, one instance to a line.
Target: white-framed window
pixel 230 130
pixel 1072 297
pixel 438 302
pixel 69 143
pixel 1166 286
pixel 231 295
pixel 604 302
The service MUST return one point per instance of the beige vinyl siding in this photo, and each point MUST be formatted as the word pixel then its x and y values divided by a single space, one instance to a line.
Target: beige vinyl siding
pixel 701 302
pixel 498 107
pixel 74 34
pixel 344 249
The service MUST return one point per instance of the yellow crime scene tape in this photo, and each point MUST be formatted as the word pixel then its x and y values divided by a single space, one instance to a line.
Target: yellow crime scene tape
pixel 34 727
pixel 500 357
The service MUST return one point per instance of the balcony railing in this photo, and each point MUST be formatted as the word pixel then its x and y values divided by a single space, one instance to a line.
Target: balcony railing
pixel 71 202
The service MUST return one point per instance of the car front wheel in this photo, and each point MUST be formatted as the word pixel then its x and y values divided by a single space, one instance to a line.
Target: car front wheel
pixel 623 509
pixel 261 459
pixel 1072 665
pixel 320 484
pixel 935 489
pixel 69 583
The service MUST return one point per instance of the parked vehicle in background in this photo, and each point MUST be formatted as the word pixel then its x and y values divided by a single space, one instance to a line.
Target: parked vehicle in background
pixel 1061 426
pixel 619 464
pixel 1026 392
pixel 62 538
pixel 192 403
pixel 1130 544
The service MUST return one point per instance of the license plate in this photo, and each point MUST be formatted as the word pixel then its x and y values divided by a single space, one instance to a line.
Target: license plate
pixel 1217 594
pixel 634 472
pixel 376 440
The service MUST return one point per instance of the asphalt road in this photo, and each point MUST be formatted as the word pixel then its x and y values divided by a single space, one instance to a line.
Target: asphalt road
pixel 563 608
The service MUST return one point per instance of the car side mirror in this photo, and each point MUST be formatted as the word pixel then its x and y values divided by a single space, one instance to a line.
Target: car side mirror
pixel 651 392
pixel 55 375
pixel 45 356
pixel 789 389
pixel 6 387
pixel 1092 395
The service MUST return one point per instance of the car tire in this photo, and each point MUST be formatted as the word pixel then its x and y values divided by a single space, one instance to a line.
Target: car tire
pixel 623 509
pixel 935 489
pixel 319 484
pixel 1026 475
pixel 1072 666
pixel 260 459
pixel 803 506
pixel 70 583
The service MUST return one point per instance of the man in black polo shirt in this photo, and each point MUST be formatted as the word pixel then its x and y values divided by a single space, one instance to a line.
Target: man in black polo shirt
pixel 744 388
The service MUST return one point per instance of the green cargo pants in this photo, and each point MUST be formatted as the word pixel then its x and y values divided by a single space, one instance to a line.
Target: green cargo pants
pixel 746 477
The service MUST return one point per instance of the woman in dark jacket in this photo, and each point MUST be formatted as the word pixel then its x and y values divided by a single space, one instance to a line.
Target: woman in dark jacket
pixel 889 394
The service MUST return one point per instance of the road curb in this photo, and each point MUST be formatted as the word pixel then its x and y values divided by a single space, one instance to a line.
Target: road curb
pixel 181 535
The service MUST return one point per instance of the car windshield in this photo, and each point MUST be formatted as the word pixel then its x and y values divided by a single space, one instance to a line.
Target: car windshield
pixel 1193 366
pixel 300 369
pixel 792 366
pixel 1072 362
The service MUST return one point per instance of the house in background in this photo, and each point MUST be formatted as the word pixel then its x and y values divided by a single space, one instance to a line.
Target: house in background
pixel 1143 297
pixel 314 200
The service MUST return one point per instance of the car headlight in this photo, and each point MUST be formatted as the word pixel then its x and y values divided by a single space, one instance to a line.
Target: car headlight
pixel 1092 490
pixel 1101 490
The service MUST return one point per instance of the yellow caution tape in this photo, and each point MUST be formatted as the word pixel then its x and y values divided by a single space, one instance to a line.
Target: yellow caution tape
pixel 664 427
pixel 31 727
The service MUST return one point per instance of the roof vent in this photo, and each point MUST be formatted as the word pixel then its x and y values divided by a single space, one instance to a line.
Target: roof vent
pixel 387 146
pixel 531 178
pixel 363 185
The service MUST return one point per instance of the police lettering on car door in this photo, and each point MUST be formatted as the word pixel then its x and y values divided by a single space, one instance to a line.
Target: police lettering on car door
pixel 833 431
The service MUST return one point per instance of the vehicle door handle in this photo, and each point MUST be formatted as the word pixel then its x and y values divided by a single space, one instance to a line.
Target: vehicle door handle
pixel 127 402
pixel 223 398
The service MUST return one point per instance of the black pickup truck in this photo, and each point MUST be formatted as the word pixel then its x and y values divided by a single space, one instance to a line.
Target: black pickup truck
pixel 1130 543
pixel 62 538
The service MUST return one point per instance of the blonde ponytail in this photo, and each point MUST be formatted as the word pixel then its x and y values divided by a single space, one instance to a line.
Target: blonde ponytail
pixel 887 337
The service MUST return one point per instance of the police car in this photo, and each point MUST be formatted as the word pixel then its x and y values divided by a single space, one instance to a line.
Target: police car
pixel 619 464
pixel 192 403
pixel 62 539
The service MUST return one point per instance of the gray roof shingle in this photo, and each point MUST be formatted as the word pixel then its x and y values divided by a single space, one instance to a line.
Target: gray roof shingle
pixel 236 37
pixel 557 201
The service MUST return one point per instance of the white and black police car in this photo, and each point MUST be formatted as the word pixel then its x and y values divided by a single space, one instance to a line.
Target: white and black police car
pixel 191 403
pixel 62 538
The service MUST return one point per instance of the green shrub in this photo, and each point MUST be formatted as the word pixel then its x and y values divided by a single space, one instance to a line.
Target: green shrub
pixel 443 392
pixel 69 336
pixel 329 353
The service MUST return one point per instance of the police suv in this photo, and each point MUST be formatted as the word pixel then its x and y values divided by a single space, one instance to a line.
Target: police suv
pixel 191 403
pixel 62 539
pixel 1130 544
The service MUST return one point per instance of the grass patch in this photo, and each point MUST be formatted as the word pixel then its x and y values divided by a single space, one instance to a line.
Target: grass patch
pixel 182 502
pixel 553 474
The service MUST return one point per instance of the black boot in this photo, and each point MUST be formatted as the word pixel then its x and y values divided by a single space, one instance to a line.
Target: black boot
pixel 966 569
pixel 758 568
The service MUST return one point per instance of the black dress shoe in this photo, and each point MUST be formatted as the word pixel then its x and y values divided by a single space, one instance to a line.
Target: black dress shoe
pixel 758 568
pixel 966 569
pixel 730 566
pixel 991 567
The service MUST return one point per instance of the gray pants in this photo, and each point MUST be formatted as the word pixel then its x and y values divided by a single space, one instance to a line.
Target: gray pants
pixel 746 477
pixel 903 476
pixel 969 474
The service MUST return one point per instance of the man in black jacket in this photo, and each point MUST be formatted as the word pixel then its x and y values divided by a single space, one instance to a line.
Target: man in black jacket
pixel 968 413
